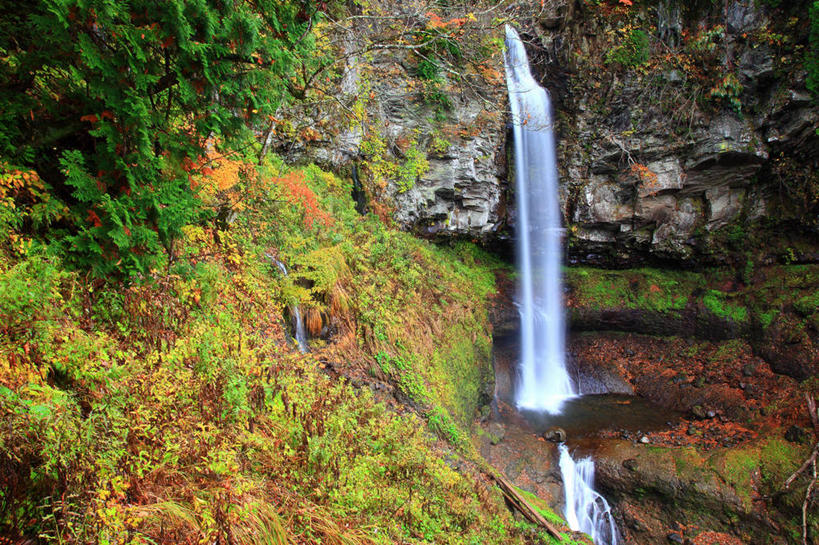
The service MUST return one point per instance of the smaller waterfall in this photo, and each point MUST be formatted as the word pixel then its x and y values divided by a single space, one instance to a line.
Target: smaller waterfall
pixel 295 313
pixel 586 510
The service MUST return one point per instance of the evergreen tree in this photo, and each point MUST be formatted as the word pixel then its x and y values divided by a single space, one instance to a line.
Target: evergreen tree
pixel 114 101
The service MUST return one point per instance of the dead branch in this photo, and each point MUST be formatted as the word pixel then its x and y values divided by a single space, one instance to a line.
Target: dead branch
pixel 809 463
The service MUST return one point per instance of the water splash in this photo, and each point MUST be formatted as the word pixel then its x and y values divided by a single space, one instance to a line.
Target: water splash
pixel 586 510
pixel 299 330
pixel 544 381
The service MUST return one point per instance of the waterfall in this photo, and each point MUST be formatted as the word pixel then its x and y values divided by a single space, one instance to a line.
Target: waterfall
pixel 586 510
pixel 295 313
pixel 544 381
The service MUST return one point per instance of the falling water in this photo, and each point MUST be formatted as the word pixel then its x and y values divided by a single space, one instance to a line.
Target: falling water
pixel 586 510
pixel 295 313
pixel 544 382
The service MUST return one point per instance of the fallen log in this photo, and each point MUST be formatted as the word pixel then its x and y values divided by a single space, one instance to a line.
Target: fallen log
pixel 524 507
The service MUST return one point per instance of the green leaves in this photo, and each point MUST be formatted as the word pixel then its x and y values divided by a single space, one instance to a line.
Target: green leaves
pixel 121 94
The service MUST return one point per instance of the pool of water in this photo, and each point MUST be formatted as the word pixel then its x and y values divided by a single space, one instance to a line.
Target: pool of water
pixel 589 416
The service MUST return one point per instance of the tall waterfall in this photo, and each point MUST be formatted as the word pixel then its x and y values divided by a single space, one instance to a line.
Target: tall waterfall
pixel 586 510
pixel 544 382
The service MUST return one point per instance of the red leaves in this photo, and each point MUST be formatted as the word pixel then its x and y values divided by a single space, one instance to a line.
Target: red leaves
pixel 94 219
pixel 295 184
pixel 91 118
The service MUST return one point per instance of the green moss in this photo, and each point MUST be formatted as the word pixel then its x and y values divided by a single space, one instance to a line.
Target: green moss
pixel 766 318
pixel 739 468
pixel 688 461
pixel 717 302
pixel 807 305
pixel 779 459
pixel 542 507
pixel 645 289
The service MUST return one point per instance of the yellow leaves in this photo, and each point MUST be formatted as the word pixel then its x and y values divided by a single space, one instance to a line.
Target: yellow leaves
pixel 646 176
pixel 491 74
pixel 13 180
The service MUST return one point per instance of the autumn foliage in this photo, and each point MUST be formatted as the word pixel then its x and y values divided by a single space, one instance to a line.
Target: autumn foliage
pixel 295 190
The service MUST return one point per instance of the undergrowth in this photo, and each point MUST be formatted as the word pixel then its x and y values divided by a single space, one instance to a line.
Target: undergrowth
pixel 175 409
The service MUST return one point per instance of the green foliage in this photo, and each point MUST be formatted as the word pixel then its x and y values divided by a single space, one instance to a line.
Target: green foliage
pixel 707 40
pixel 440 101
pixel 414 166
pixel 428 70
pixel 717 303
pixel 812 54
pixel 632 51
pixel 728 90
pixel 124 96
pixel 807 305
pixel 182 416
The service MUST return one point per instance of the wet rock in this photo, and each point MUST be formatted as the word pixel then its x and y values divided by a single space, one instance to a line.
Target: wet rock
pixel 555 434
pixel 667 477
pixel 675 538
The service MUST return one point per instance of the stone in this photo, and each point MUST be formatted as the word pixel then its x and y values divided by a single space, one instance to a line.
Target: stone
pixel 741 17
pixel 599 204
pixel 645 440
pixel 675 538
pixel 555 434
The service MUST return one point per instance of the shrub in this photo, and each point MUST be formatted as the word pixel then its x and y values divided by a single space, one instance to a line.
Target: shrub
pixel 632 52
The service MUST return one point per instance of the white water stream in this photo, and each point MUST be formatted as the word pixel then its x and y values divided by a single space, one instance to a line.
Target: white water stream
pixel 295 311
pixel 544 382
pixel 586 510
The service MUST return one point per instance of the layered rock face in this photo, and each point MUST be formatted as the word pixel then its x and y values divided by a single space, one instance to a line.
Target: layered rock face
pixel 656 162
pixel 455 121
pixel 661 156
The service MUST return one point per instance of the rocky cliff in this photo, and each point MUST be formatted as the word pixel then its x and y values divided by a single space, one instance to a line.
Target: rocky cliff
pixel 684 128
pixel 682 125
